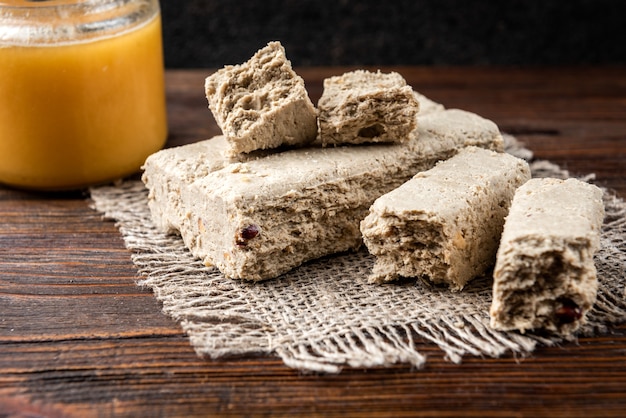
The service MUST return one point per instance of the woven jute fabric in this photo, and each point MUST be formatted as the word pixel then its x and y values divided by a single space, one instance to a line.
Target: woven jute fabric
pixel 324 315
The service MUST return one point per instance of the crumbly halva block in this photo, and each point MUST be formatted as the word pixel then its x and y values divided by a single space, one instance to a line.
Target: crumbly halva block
pixel 362 106
pixel 445 223
pixel 545 277
pixel 262 103
pixel 258 219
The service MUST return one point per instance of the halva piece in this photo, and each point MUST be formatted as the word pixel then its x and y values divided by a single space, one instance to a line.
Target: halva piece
pixel 545 277
pixel 362 106
pixel 258 219
pixel 262 103
pixel 445 223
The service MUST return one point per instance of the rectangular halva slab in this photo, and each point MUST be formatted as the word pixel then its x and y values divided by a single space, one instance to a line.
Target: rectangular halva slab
pixel 258 219
pixel 545 277
pixel 445 223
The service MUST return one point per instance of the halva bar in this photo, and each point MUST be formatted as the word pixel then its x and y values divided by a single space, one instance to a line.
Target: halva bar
pixel 258 219
pixel 545 277
pixel 445 223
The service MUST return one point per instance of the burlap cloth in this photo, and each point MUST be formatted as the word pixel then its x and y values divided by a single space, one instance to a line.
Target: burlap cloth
pixel 324 315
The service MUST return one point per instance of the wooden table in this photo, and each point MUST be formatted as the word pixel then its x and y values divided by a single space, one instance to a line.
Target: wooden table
pixel 78 338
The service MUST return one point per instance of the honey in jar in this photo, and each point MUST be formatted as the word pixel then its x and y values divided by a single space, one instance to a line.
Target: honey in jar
pixel 82 96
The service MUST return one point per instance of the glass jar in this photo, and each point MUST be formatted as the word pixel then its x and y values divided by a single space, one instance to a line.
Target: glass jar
pixel 82 96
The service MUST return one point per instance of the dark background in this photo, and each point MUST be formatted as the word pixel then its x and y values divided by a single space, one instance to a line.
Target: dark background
pixel 212 33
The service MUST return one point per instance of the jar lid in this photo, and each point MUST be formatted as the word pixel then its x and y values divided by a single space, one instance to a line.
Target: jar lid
pixel 54 22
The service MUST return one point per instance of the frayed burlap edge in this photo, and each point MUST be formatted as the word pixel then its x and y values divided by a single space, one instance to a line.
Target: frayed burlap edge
pixel 324 315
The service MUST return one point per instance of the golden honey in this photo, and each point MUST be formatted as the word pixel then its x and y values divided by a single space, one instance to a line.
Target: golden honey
pixel 85 106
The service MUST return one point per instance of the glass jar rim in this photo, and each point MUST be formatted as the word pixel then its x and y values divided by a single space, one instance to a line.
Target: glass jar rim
pixel 54 22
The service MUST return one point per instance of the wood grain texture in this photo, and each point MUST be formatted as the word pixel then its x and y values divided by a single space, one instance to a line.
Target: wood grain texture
pixel 78 338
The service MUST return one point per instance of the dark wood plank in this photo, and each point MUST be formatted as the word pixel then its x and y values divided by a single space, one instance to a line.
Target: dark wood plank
pixel 79 338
